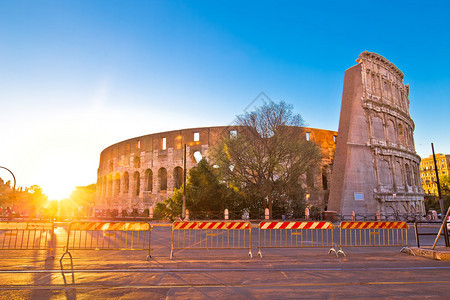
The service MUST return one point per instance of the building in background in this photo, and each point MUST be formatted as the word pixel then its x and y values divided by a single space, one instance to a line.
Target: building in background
pixel 376 167
pixel 428 174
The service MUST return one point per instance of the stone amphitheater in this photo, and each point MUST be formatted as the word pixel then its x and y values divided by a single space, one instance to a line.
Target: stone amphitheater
pixel 142 171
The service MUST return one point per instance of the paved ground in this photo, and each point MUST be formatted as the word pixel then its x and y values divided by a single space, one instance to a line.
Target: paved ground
pixel 225 274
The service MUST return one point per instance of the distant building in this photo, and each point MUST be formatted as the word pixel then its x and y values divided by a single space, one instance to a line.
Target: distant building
pixel 428 174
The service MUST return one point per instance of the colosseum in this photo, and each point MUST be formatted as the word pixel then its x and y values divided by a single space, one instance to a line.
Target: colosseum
pixel 142 171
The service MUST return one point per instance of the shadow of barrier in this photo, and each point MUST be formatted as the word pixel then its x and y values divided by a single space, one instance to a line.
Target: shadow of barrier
pixel 28 236
pixel 111 236
pixel 205 235
pixel 306 234
pixel 373 234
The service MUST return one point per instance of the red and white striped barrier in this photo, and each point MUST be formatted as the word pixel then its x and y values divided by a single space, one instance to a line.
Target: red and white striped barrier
pixel 295 225
pixel 374 225
pixel 373 234
pixel 210 225
pixel 209 235
pixel 306 234
pixel 110 226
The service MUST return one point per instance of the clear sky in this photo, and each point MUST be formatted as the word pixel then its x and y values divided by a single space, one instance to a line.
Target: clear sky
pixel 78 76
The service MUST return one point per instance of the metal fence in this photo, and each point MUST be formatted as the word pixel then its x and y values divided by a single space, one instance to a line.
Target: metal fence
pixel 27 236
pixel 211 235
pixel 373 234
pixel 117 236
pixel 295 235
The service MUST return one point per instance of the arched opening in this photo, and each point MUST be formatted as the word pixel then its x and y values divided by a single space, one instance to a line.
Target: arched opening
pixel 137 183
pixel 126 183
pixel 117 184
pixel 178 177
pixel 324 179
pixel 401 134
pixel 391 132
pixel 162 176
pixel 408 174
pixel 148 180
pixel 384 172
pixel 377 128
pixel 197 156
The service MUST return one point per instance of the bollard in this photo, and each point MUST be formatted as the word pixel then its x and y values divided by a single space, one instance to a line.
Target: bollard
pixel 187 215
pixel 353 216
pixel 378 216
pixel 226 214
pixel 307 213
pixel 266 214
pixel 151 213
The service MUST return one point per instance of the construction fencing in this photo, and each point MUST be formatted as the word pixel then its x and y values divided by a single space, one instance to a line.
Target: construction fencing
pixel 112 236
pixel 373 234
pixel 204 235
pixel 27 236
pixel 296 235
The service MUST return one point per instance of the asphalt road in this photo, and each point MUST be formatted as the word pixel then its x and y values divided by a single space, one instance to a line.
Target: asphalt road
pixel 306 273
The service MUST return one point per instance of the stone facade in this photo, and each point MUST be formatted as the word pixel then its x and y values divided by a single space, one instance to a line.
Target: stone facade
pixel 142 171
pixel 376 167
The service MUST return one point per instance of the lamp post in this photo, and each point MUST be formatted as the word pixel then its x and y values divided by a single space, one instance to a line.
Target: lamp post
pixel 14 177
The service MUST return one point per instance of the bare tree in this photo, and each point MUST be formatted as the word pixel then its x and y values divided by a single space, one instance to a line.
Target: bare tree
pixel 269 156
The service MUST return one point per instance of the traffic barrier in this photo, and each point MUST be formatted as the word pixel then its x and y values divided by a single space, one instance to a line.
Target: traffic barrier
pixel 113 236
pixel 373 234
pixel 27 236
pixel 307 234
pixel 204 235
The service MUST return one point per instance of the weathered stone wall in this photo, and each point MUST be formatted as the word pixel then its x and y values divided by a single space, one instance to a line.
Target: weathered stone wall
pixel 131 173
pixel 376 167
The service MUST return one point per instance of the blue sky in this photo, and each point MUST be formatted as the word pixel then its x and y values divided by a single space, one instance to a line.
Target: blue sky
pixel 78 76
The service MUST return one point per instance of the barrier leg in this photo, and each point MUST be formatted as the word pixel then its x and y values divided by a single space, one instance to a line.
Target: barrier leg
pixel 259 253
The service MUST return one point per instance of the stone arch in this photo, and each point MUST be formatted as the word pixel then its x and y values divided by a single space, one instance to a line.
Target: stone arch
pixel 136 183
pixel 398 174
pixel 325 178
pixel 197 156
pixel 117 184
pixel 148 180
pixel 126 183
pixel 391 132
pixel 401 134
pixel 162 176
pixel 408 174
pixel 137 162
pixel 377 127
pixel 384 172
pixel 178 177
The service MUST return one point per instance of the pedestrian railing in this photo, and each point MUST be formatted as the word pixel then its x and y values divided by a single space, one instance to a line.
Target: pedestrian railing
pixel 307 234
pixel 430 228
pixel 211 235
pixel 27 236
pixel 112 236
pixel 373 234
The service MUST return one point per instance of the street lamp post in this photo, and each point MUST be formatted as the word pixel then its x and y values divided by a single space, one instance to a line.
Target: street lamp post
pixel 14 177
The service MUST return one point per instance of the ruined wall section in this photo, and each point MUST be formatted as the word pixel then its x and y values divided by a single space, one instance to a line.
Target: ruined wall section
pixel 376 167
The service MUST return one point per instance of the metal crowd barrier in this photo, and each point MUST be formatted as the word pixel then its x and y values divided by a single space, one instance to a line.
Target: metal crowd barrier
pixel 116 236
pixel 430 225
pixel 307 234
pixel 373 234
pixel 204 235
pixel 27 236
